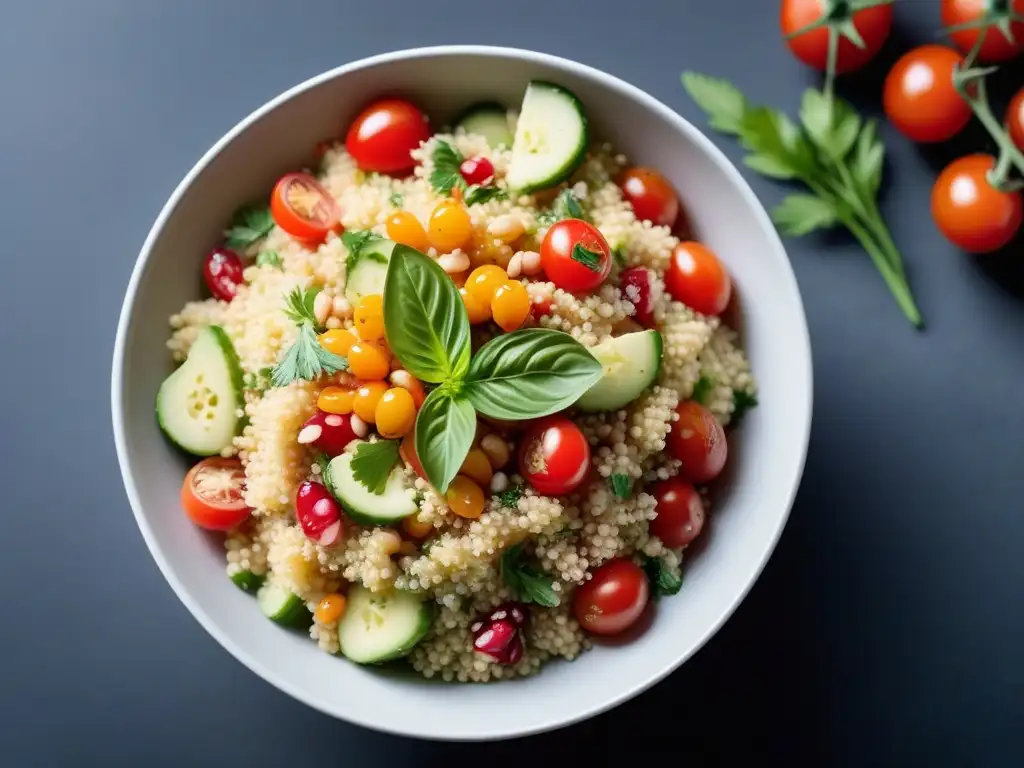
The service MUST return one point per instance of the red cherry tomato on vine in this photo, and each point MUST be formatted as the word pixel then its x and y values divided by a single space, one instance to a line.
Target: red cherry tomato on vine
pixel 384 135
pixel 651 196
pixel 873 24
pixel 303 208
pixel 969 211
pixel 222 272
pixel 996 46
pixel 698 441
pixel 554 456
pixel 213 494
pixel 697 278
pixel 613 599
pixel 680 512
pixel 575 256
pixel 920 98
pixel 1015 119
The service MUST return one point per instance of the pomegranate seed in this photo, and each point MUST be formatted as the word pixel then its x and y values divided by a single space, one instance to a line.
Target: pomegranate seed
pixel 513 652
pixel 318 513
pixel 637 289
pixel 223 273
pixel 515 612
pixel 539 309
pixel 494 636
pixel 477 170
pixel 328 432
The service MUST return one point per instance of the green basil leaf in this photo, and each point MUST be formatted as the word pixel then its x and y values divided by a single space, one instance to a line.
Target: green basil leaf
pixel 799 214
pixel 724 103
pixel 529 373
pixel 424 318
pixel 445 428
pixel 446 173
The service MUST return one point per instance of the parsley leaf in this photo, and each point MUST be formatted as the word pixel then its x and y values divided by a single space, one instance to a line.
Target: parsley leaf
pixel 664 580
pixel 354 241
pixel 477 194
pixel 446 174
pixel 868 158
pixel 799 214
pixel 396 199
pixel 248 225
pixel 723 101
pixel 742 401
pixel 526 581
pixel 565 206
pixel 373 462
pixel 702 389
pixel 307 360
pixel 588 258
pixel 269 258
pixel 832 124
pixel 299 305
pixel 510 497
pixel 622 485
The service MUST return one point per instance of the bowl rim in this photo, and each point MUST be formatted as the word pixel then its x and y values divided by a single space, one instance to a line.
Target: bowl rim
pixel 603 79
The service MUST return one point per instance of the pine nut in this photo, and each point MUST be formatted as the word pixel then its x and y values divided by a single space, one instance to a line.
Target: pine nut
pixel 333 322
pixel 499 482
pixel 496 450
pixel 322 307
pixel 515 266
pixel 340 307
pixel 359 426
pixel 530 261
pixel 454 262
pixel 389 541
pixel 506 228
pixel 309 434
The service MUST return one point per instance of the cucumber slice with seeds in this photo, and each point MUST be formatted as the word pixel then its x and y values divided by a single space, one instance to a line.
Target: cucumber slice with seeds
pixel 381 627
pixel 550 140
pixel 361 504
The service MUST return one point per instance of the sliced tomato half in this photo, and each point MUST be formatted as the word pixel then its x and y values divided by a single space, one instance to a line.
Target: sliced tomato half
pixel 213 494
pixel 303 208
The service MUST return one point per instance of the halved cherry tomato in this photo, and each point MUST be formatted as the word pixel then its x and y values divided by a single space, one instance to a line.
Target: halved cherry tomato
pixel 213 494
pixel 575 256
pixel 970 212
pixel 613 599
pixel 698 441
pixel 303 208
pixel 920 98
pixel 384 135
pixel 873 24
pixel 697 278
pixel 651 195
pixel 680 512
pixel 223 273
pixel 1015 119
pixel 407 452
pixel 996 47
pixel 554 456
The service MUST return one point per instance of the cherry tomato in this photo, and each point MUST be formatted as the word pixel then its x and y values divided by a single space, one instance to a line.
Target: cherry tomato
pixel 477 170
pixel 223 273
pixel 575 256
pixel 698 441
pixel 996 46
pixel 697 278
pixel 969 211
pixel 651 196
pixel 554 456
pixel 613 599
pixel 680 512
pixel 213 494
pixel 1015 119
pixel 636 285
pixel 873 24
pixel 384 135
pixel 303 208
pixel 407 452
pixel 920 98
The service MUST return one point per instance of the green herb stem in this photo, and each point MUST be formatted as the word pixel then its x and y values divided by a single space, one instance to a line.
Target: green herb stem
pixel 897 283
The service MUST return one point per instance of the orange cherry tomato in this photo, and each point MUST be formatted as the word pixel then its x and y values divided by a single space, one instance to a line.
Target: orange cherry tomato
pixel 873 24
pixel 403 227
pixel 919 96
pixel 213 494
pixel 698 279
pixel 303 208
pixel 969 211
pixel 383 136
pixel 1015 119
pixel 997 46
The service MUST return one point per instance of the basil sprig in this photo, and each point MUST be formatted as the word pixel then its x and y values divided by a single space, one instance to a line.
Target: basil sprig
pixel 520 375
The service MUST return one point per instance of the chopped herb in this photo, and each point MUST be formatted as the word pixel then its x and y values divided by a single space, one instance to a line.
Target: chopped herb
pixel 354 241
pixel 323 461
pixel 565 206
pixel 305 359
pixel 248 225
pixel 702 389
pixel 269 258
pixel 299 305
pixel 742 401
pixel 259 381
pixel 373 462
pixel 446 174
pixel 477 194
pixel 510 497
pixel 619 256
pixel 526 581
pixel 663 579
pixel 396 199
pixel 588 258
pixel 622 485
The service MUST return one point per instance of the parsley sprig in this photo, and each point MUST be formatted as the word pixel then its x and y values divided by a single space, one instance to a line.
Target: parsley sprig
pixel 373 462
pixel 663 579
pixel 834 152
pixel 249 224
pixel 526 581
pixel 447 176
pixel 305 359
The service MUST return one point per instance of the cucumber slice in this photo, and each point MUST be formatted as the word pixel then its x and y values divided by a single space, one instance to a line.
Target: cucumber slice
pixel 490 120
pixel 197 405
pixel 247 581
pixel 550 140
pixel 367 270
pixel 283 606
pixel 363 506
pixel 382 627
pixel 631 363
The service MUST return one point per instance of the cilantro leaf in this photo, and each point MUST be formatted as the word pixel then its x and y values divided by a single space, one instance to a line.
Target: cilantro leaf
pixel 664 580
pixel 446 174
pixel 588 258
pixel 702 389
pixel 396 199
pixel 527 582
pixel 723 101
pixel 373 462
pixel 299 305
pixel 622 485
pixel 269 258
pixel 306 360
pixel 799 214
pixel 742 401
pixel 248 225
pixel 477 194
pixel 510 497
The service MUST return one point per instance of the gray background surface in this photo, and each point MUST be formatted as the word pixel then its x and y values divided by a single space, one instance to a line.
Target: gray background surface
pixel 887 629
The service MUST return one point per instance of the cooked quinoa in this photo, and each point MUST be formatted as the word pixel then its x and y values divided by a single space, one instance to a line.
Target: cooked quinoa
pixel 456 562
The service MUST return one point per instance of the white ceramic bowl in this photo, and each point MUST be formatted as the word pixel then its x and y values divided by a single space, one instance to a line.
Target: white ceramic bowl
pixel 767 459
